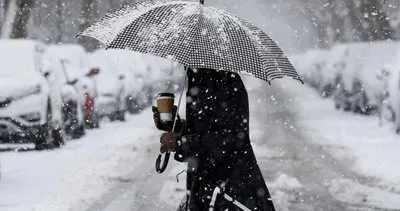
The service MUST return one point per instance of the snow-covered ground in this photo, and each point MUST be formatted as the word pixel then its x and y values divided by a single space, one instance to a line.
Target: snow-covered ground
pixel 74 176
pixel 368 149
pixel 374 149
pixel 312 157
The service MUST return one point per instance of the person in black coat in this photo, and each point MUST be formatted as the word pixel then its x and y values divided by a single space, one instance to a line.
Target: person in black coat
pixel 215 142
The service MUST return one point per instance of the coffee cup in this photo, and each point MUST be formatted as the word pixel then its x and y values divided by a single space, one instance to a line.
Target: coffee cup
pixel 165 105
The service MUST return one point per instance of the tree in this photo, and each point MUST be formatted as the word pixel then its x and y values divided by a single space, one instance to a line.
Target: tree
pixel 90 14
pixel 345 21
pixel 371 21
pixel 20 23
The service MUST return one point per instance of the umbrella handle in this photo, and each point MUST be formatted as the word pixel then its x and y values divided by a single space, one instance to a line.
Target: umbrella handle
pixel 160 169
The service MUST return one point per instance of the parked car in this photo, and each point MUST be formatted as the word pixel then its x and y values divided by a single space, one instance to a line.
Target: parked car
pixel 71 104
pixel 110 87
pixel 393 99
pixel 125 64
pixel 321 78
pixel 30 109
pixel 373 73
pixel 76 64
pixel 352 64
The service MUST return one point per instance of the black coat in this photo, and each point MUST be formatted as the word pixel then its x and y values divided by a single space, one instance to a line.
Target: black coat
pixel 216 143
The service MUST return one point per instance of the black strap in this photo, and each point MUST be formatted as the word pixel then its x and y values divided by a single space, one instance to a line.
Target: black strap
pixel 160 169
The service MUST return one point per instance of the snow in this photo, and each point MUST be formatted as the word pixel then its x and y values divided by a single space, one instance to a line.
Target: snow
pixel 74 176
pixel 286 182
pixel 6 27
pixel 113 24
pixel 347 191
pixel 79 175
pixel 74 56
pixel 107 80
pixel 111 160
pixel 374 149
pixel 365 62
pixel 377 57
pixel 15 51
pixel 171 185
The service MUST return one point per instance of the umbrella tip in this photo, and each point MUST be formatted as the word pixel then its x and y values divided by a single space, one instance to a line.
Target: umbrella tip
pixel 202 2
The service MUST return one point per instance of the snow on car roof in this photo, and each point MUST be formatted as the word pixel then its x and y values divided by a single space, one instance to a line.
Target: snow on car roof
pixel 12 52
pixel 75 57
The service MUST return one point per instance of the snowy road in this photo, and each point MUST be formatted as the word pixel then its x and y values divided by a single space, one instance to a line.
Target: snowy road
pixel 113 168
pixel 301 175
pixel 296 156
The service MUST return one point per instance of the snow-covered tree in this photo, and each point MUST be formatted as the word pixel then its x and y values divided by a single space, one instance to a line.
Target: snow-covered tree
pixel 351 20
pixel 23 14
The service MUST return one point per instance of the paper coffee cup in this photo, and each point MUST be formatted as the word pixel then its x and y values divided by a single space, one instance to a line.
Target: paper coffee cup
pixel 165 105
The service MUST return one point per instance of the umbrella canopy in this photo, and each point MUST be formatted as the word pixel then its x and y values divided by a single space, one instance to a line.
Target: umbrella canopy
pixel 194 35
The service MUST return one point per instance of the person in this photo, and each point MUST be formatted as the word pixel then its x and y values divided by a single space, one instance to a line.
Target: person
pixel 214 141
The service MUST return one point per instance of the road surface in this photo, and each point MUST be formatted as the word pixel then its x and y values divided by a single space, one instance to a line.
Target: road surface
pixel 282 146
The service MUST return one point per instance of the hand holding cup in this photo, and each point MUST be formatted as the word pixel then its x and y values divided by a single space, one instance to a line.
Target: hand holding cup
pixel 164 113
pixel 165 126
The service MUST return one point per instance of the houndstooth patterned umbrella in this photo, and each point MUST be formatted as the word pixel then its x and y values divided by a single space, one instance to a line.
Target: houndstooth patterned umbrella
pixel 194 35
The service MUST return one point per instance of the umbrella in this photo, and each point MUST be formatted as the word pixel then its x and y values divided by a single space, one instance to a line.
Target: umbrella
pixel 194 35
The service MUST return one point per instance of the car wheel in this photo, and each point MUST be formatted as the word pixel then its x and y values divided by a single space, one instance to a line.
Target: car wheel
pixel 121 116
pixel 118 116
pixel 113 117
pixel 48 136
pixel 57 136
pixel 73 127
pixel 78 131
pixel 96 121
pixel 92 122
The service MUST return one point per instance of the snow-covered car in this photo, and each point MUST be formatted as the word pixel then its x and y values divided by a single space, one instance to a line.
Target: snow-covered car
pixel 30 109
pixel 393 99
pixel 303 64
pixel 349 93
pixel 110 87
pixel 72 116
pixel 374 76
pixel 143 92
pixel 76 64
pixel 125 65
pixel 321 77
